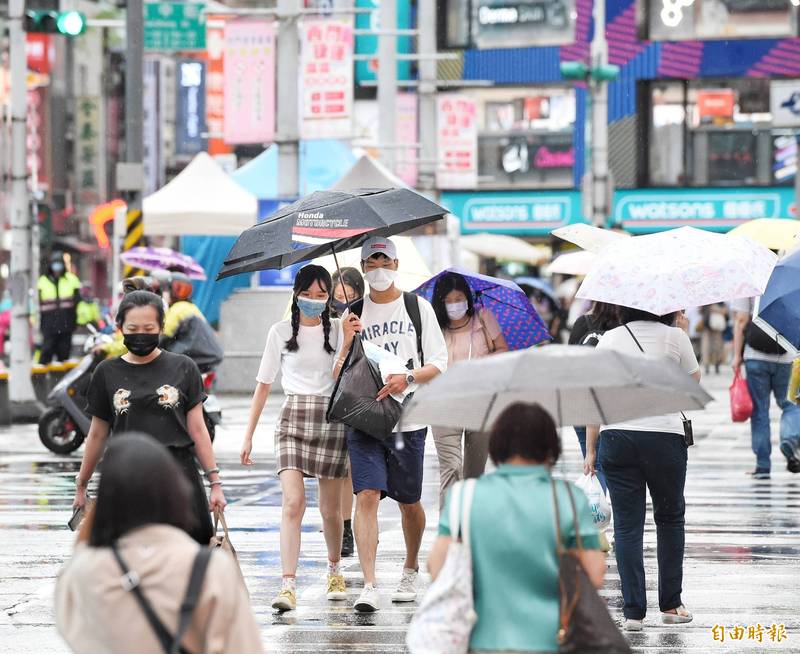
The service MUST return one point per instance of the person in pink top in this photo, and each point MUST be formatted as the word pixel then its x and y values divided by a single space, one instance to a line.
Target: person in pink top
pixel 470 332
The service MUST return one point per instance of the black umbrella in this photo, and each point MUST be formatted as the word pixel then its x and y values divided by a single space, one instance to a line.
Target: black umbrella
pixel 325 222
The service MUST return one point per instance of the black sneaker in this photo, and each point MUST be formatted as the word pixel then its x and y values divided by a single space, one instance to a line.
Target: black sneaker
pixel 792 456
pixel 759 473
pixel 348 546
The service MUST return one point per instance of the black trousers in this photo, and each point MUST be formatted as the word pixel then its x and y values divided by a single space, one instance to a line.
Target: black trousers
pixel 202 530
pixel 58 345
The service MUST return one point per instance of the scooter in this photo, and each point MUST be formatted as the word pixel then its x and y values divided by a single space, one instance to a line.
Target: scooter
pixel 64 426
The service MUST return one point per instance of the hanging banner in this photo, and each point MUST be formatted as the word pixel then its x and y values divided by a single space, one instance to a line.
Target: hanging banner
pixel 88 156
pixel 153 163
pixel 190 109
pixel 215 85
pixel 37 140
pixel 249 81
pixel 326 62
pixel 457 140
pixel 405 126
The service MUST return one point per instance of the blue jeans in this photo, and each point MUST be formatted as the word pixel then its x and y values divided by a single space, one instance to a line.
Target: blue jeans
pixel 635 461
pixel 763 378
pixel 598 468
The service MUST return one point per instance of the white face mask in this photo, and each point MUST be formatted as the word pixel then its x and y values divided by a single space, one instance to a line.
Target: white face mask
pixel 456 310
pixel 380 279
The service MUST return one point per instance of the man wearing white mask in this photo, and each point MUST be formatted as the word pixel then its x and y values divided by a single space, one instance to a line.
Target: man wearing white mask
pixel 406 326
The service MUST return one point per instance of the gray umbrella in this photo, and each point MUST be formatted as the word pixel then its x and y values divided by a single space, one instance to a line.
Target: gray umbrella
pixel 577 385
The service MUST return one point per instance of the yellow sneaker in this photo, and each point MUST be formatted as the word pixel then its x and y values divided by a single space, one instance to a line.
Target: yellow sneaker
pixel 336 588
pixel 285 601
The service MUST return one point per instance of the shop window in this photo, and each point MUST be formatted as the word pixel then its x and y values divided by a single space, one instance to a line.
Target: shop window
pixel 525 137
pixel 675 20
pixel 734 132
pixel 488 24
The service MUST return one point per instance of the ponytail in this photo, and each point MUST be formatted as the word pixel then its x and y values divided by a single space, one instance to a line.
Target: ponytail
pixel 326 329
pixel 291 344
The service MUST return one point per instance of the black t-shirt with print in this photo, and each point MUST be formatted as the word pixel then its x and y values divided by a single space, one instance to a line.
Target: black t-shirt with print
pixel 153 398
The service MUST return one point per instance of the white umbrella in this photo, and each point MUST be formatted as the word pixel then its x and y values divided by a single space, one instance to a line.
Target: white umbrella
pixel 576 385
pixel 679 268
pixel 588 237
pixel 505 248
pixel 573 263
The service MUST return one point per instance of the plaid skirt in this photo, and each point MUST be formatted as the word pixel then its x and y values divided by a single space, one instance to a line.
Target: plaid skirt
pixel 305 441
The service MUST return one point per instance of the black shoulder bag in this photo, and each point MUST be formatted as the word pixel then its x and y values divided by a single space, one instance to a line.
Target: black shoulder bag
pixel 688 432
pixel 130 582
pixel 584 623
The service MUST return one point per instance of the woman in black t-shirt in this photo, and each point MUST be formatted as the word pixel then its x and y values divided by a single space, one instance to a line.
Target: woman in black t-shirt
pixel 155 392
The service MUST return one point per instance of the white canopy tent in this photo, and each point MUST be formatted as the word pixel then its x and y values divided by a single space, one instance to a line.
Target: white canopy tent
pixel 368 173
pixel 202 200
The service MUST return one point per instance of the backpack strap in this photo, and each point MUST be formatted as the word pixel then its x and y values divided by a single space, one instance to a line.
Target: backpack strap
pixel 192 595
pixel 412 308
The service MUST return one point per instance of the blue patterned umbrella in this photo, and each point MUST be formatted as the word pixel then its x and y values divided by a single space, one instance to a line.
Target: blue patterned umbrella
pixel 521 325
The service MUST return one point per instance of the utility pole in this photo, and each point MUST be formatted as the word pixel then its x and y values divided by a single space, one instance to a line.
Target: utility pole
pixel 288 135
pixel 134 88
pixel 599 182
pixel 426 21
pixel 21 393
pixel 387 82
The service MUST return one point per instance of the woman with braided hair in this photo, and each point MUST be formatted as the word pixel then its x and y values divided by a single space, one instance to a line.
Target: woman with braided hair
pixel 302 350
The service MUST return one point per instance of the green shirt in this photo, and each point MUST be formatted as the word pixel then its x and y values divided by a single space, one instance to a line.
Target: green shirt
pixel 514 562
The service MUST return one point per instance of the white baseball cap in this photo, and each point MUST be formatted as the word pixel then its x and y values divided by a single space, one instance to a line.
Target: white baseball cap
pixel 378 245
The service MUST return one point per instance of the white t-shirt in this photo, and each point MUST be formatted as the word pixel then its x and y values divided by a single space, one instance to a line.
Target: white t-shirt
pixel 747 305
pixel 389 326
pixel 657 340
pixel 307 371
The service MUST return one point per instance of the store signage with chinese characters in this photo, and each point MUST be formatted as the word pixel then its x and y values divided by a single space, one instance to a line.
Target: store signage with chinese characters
pixel 215 84
pixel 190 109
pixel 711 208
pixel 522 213
pixel 89 169
pixel 327 78
pixel 457 139
pixel 249 111
pixel 406 132
pixel 36 140
pixel 174 26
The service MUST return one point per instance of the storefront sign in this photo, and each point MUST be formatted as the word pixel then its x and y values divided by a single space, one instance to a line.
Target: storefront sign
pixel 36 140
pixel 153 163
pixel 784 166
pixel 405 126
pixel 249 81
pixel 716 104
pixel 39 52
pixel 513 213
pixel 520 23
pixel 215 85
pixel 190 109
pixel 327 78
pixel 715 208
pixel 785 103
pixel 368 43
pixel 89 170
pixel 457 140
pixel 174 26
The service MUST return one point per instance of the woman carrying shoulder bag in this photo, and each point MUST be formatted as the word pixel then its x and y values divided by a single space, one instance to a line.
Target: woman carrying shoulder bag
pixel 470 333
pixel 142 514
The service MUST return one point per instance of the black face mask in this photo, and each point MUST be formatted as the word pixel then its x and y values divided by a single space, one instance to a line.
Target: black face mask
pixel 140 344
pixel 338 307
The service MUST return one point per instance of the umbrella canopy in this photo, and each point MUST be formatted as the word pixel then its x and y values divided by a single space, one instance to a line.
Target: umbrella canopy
pixel 588 237
pixel 521 325
pixel 576 385
pixel 150 258
pixel 774 233
pixel 505 248
pixel 672 270
pixel 327 221
pixel 540 285
pixel 778 310
pixel 573 263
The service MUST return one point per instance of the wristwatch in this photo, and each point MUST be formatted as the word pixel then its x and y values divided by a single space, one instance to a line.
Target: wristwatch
pixel 410 378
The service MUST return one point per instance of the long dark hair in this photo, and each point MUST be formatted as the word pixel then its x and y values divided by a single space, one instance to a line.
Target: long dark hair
pixel 305 277
pixel 628 314
pixel 450 281
pixel 605 316
pixel 136 299
pixel 141 485
pixel 353 279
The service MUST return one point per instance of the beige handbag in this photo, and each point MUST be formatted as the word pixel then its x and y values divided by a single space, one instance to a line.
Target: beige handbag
pixel 224 542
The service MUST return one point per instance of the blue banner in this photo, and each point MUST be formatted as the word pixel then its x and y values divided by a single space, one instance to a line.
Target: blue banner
pixel 190 108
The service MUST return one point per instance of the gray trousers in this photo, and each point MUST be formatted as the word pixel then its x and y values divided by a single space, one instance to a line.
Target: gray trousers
pixel 453 465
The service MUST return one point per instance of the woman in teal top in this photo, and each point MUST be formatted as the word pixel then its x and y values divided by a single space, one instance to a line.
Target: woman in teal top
pixel 513 539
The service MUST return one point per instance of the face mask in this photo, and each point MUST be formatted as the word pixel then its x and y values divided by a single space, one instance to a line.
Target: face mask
pixel 57 268
pixel 380 279
pixel 140 344
pixel 338 307
pixel 456 310
pixel 311 308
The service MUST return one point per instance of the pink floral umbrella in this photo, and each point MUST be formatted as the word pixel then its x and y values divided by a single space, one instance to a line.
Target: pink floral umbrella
pixel 152 258
pixel 676 269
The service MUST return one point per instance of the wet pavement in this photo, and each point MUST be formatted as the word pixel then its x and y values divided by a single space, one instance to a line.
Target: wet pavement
pixel 742 557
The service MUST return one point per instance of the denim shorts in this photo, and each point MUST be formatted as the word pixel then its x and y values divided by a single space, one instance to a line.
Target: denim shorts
pixel 381 465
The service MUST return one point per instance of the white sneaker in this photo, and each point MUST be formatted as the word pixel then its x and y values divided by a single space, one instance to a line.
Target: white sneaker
pixel 368 601
pixel 406 590
pixel 633 625
pixel 681 616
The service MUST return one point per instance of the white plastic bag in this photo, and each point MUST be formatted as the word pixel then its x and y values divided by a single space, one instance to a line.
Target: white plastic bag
pixel 598 502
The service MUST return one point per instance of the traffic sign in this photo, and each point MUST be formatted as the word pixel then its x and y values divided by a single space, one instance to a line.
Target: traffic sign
pixel 174 26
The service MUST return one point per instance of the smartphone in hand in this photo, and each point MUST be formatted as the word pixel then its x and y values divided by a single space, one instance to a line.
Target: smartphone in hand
pixel 77 517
